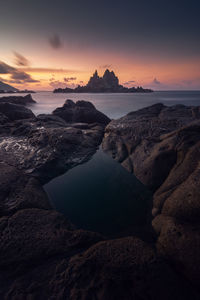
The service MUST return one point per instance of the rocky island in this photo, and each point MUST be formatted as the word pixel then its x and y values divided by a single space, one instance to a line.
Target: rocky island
pixel 43 255
pixel 109 83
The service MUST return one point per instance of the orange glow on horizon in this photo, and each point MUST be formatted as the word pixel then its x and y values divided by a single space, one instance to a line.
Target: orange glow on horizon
pixel 51 71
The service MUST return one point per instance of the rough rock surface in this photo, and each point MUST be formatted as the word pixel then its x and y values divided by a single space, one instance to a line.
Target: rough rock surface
pixel 40 144
pixel 30 230
pixel 22 100
pixel 15 111
pixel 139 138
pixel 125 268
pixel 42 255
pixel 81 111
pixel 161 146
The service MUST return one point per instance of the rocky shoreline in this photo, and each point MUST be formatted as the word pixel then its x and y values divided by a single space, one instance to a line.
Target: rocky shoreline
pixel 160 145
pixel 43 256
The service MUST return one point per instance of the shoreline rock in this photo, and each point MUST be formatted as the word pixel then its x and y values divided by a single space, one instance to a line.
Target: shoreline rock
pixel 21 100
pixel 160 145
pixel 80 112
pixel 43 256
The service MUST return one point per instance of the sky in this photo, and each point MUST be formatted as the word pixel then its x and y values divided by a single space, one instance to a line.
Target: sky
pixel 49 44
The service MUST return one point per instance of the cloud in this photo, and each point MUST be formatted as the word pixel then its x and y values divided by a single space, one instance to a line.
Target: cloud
pixel 188 82
pixel 55 42
pixel 105 66
pixel 155 81
pixel 62 84
pixel 57 84
pixel 20 60
pixel 68 79
pixel 16 75
pixel 50 70
pixel 22 76
pixel 129 82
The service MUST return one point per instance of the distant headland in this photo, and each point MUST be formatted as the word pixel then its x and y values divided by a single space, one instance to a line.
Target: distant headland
pixel 9 89
pixel 109 83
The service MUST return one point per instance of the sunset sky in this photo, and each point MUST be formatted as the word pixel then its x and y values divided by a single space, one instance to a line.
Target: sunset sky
pixel 49 44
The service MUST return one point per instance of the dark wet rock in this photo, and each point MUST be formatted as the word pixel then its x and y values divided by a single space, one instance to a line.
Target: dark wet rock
pixel 179 243
pixel 122 269
pixel 21 100
pixel 160 145
pixel 137 141
pixel 3 119
pixel 35 234
pixel 178 196
pixel 33 151
pixel 50 120
pixel 18 191
pixel 43 256
pixel 80 112
pixel 118 269
pixel 15 112
pixel 46 146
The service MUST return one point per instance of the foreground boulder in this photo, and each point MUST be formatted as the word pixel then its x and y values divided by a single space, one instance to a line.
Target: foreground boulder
pixel 45 146
pixel 32 151
pixel 15 112
pixel 21 100
pixel 125 268
pixel 160 145
pixel 81 111
pixel 136 140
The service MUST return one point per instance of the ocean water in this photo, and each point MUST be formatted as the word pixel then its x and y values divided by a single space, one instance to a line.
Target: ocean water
pixel 115 105
pixel 100 195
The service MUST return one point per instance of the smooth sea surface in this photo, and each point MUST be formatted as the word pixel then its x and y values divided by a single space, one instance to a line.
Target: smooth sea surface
pixel 100 195
pixel 115 105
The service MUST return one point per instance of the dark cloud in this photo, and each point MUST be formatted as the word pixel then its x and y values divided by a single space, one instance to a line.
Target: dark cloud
pixel 55 42
pixel 16 75
pixel 50 70
pixel 129 82
pixel 105 66
pixel 22 76
pixel 62 84
pixel 57 84
pixel 68 79
pixel 188 82
pixel 20 60
pixel 155 81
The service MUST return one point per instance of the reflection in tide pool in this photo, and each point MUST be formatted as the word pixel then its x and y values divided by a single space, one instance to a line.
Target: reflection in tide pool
pixel 101 196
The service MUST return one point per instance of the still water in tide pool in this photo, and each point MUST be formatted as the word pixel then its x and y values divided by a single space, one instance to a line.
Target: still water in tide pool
pixel 100 195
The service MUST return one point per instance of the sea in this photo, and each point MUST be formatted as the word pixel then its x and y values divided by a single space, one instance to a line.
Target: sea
pixel 100 195
pixel 115 105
